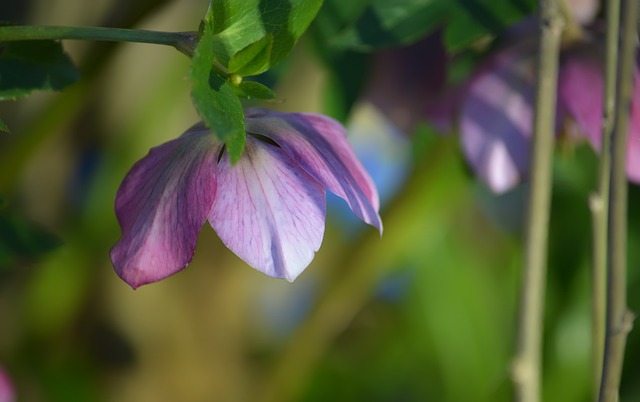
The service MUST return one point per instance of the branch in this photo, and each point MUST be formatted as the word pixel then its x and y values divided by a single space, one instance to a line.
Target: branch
pixel 527 363
pixel 619 319
pixel 599 201
pixel 183 41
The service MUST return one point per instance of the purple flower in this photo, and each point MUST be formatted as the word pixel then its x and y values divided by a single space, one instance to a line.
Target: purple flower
pixel 496 116
pixel 268 208
pixel 581 90
pixel 495 110
pixel 7 393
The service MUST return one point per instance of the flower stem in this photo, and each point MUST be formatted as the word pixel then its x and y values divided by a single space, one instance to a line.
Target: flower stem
pixel 599 201
pixel 183 41
pixel 526 372
pixel 619 318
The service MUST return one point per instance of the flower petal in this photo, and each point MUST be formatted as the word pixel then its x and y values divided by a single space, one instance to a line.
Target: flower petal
pixel 7 391
pixel 633 150
pixel 161 207
pixel 319 145
pixel 580 89
pixel 496 118
pixel 269 211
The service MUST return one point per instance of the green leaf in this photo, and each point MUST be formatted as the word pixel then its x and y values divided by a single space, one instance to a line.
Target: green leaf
pixel 367 25
pixel 3 127
pixel 214 98
pixel 383 23
pixel 26 66
pixel 473 19
pixel 239 23
pixel 20 240
pixel 253 59
pixel 255 90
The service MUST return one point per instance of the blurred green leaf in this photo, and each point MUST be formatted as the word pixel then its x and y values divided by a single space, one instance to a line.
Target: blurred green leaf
pixel 253 59
pixel 472 19
pixel 26 66
pixel 20 240
pixel 255 90
pixel 239 23
pixel 3 127
pixel 367 25
pixel 215 99
pixel 385 23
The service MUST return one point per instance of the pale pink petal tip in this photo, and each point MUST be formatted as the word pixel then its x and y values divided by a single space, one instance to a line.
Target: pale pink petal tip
pixel 7 391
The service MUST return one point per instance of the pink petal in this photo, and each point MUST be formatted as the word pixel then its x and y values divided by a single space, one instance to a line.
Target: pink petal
pixel 7 392
pixel 319 145
pixel 581 89
pixel 633 152
pixel 496 118
pixel 161 207
pixel 269 211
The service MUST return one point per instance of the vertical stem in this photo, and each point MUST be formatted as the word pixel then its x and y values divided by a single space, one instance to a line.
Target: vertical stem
pixel 527 363
pixel 599 202
pixel 619 319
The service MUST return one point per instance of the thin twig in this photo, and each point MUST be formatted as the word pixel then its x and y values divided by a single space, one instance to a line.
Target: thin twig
pixel 527 364
pixel 183 41
pixel 619 319
pixel 599 201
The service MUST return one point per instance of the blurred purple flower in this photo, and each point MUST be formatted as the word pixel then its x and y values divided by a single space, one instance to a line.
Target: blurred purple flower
pixel 268 208
pixel 495 121
pixel 7 392
pixel 581 90
pixel 403 81
pixel 495 110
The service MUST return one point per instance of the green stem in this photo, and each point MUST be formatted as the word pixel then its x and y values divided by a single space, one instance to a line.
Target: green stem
pixel 183 41
pixel 619 318
pixel 599 201
pixel 526 372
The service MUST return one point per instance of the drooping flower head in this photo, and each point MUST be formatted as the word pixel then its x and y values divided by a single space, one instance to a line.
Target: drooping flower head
pixel 268 208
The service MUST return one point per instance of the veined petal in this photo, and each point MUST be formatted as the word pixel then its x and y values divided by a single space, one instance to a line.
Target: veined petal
pixel 496 118
pixel 269 211
pixel 161 206
pixel 319 145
